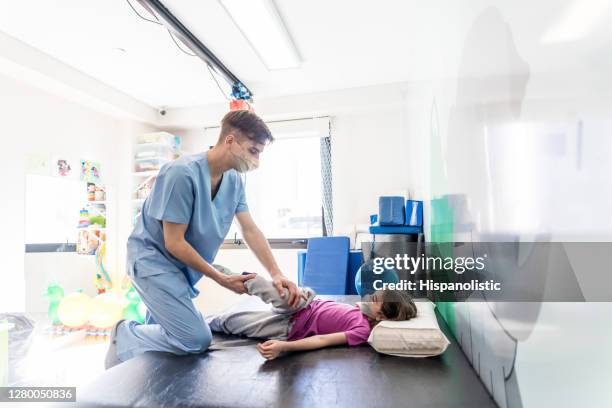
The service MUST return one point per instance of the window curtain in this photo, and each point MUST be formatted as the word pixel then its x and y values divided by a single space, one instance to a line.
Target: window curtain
pixel 326 185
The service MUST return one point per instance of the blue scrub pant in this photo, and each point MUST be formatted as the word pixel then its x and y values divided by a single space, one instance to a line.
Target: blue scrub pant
pixel 173 323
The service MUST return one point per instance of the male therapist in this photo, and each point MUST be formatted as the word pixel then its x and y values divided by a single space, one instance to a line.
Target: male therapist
pixel 182 225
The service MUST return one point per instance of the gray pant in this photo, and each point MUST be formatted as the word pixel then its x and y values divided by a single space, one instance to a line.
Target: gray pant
pixel 269 324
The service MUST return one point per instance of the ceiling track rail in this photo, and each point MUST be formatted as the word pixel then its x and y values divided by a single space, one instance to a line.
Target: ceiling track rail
pixel 239 90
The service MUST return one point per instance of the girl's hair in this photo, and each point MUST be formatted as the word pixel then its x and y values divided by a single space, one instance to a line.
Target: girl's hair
pixel 396 305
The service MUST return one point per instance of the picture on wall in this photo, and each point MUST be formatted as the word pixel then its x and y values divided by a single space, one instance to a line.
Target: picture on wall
pixel 62 167
pixel 37 164
pixel 90 172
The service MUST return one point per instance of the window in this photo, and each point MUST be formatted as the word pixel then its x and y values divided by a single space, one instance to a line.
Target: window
pixel 52 209
pixel 286 194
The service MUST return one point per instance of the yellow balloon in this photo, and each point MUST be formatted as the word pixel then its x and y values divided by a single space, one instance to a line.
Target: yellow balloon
pixel 73 310
pixel 106 310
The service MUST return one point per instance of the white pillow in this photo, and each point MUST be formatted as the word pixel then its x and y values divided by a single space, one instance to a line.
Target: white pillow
pixel 418 337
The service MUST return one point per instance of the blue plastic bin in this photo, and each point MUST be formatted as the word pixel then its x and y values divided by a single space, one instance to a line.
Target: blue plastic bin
pixel 391 210
pixel 414 213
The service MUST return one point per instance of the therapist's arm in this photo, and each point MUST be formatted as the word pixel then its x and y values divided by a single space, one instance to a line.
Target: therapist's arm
pixel 177 245
pixel 258 243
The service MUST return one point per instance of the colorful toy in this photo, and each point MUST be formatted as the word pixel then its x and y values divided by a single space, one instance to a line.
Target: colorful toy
pixel 93 214
pixel 103 281
pixel 74 309
pixel 89 241
pixel 98 220
pixel 55 293
pixel 105 310
pixel 135 310
pixel 84 218
pixel 96 316
pixel 91 192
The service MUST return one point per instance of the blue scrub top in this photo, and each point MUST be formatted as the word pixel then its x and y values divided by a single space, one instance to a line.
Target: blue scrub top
pixel 182 194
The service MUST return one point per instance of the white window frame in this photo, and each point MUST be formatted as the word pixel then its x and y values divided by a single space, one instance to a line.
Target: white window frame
pixel 282 129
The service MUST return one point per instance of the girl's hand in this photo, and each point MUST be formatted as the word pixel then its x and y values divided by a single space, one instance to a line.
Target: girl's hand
pixel 271 348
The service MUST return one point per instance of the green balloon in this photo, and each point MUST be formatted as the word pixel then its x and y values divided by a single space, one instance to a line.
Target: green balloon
pixel 55 293
pixel 132 310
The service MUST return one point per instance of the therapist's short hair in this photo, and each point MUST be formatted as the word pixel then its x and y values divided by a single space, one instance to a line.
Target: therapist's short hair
pixel 245 124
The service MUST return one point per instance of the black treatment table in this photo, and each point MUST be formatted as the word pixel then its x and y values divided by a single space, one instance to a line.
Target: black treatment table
pixel 238 376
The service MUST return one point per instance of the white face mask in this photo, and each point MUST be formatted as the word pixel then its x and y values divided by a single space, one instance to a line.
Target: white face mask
pixel 243 163
pixel 366 310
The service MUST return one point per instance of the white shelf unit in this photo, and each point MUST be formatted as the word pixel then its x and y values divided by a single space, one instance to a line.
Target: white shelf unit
pixel 94 231
pixel 151 152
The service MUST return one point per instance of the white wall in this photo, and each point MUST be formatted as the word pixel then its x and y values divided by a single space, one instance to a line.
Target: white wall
pixel 370 158
pixel 215 299
pixel 36 122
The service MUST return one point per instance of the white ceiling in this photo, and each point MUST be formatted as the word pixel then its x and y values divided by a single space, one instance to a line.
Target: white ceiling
pixel 343 43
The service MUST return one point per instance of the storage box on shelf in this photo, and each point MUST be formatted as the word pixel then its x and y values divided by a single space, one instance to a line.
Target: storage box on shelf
pixel 153 152
pixel 150 150
pixel 160 137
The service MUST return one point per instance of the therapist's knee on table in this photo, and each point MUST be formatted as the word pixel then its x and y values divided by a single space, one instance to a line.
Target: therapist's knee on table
pixel 197 340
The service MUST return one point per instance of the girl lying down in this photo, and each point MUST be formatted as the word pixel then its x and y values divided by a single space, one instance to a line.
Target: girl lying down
pixel 314 324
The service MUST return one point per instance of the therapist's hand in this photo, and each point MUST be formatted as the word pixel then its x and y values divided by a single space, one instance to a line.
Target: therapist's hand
pixel 295 294
pixel 235 283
